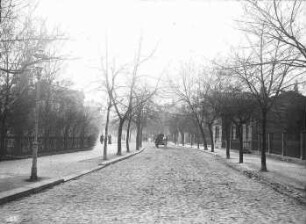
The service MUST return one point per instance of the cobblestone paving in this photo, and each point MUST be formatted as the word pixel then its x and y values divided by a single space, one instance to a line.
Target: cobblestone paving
pixel 158 186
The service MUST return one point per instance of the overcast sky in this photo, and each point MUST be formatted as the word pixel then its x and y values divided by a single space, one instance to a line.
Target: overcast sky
pixel 198 30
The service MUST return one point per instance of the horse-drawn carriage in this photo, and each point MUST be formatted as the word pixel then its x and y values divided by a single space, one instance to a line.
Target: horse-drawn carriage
pixel 161 139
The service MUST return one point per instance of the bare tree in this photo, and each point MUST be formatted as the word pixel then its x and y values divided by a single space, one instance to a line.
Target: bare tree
pixel 262 73
pixel 20 41
pixel 180 120
pixel 194 89
pixel 284 22
pixel 121 94
pixel 223 110
pixel 109 74
pixel 241 107
pixel 209 105
pixel 143 98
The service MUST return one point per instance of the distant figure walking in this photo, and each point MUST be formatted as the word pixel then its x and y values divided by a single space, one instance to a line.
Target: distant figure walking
pixel 102 139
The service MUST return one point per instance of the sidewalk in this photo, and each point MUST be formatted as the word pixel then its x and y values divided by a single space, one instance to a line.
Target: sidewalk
pixel 286 177
pixel 53 169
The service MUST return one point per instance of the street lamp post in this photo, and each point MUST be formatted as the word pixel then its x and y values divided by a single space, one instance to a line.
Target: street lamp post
pixel 34 176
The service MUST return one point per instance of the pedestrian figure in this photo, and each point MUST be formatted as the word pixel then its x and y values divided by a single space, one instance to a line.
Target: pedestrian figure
pixel 109 139
pixel 101 139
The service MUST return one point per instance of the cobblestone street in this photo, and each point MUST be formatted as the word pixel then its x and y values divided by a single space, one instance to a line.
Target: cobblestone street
pixel 165 185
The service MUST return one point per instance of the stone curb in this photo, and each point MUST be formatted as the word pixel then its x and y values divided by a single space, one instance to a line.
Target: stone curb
pixel 256 175
pixel 18 193
pixel 101 166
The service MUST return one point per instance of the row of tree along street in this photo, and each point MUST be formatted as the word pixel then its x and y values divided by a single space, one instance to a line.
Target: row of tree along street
pixel 248 87
pixel 29 62
pixel 129 97
pixel 241 89
pixel 249 84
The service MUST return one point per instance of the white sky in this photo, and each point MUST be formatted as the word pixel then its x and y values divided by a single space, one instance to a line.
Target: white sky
pixel 197 30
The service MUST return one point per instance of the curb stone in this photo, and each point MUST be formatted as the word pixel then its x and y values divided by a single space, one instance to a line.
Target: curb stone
pixel 280 188
pixel 100 166
pixel 106 163
pixel 255 175
pixel 27 190
pixel 17 193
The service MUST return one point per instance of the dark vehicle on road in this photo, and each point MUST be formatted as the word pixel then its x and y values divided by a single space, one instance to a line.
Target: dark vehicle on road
pixel 161 139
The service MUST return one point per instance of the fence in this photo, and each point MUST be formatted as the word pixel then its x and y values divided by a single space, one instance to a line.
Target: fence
pixel 285 144
pixel 22 146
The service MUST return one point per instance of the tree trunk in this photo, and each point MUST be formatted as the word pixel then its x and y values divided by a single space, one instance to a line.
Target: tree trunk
pixel 228 139
pixel 203 136
pixel 263 149
pixel 140 135
pixel 106 132
pixel 182 138
pixel 119 148
pixel 138 124
pixel 211 137
pixel 240 134
pixel 127 140
pixel 198 141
